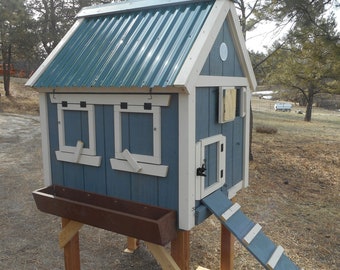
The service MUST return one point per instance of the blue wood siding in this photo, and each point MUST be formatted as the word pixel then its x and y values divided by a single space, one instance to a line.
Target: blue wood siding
pixel 104 180
pixel 140 124
pixel 214 66
pixel 76 127
pixel 207 125
pixel 211 163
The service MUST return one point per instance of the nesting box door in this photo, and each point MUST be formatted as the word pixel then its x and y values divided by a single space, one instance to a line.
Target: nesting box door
pixel 210 164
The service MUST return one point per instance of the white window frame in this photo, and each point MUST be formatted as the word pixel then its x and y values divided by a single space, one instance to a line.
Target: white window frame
pixel 156 114
pixel 201 190
pixel 77 154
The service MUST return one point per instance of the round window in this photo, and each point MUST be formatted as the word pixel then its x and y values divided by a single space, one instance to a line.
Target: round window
pixel 223 51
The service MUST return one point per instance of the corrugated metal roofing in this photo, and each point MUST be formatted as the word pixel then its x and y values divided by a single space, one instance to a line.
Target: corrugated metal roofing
pixel 133 49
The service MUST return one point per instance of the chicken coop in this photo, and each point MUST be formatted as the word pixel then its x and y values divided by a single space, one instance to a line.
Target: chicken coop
pixel 145 116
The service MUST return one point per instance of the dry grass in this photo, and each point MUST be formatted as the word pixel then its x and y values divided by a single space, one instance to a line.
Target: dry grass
pixel 22 100
pixel 294 191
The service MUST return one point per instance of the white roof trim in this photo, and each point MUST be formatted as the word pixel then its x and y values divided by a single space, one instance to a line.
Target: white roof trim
pixel 53 54
pixel 189 75
pixel 194 63
pixel 129 6
pixel 241 48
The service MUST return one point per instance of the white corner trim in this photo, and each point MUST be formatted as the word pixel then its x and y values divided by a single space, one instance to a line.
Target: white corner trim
pixel 187 160
pixel 246 137
pixel 148 169
pixel 53 54
pixel 46 157
pixel 203 44
pixel 94 161
pixel 234 189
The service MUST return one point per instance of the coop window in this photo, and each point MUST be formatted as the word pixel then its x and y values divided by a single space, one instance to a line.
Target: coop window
pixel 137 139
pixel 76 133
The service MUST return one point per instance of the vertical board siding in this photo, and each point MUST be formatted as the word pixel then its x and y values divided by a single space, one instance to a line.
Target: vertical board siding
pixel 138 135
pixel 207 125
pixel 169 187
pixel 104 180
pixel 73 175
pixel 238 150
pixel 211 163
pixel 214 66
pixel 74 128
pixel 227 130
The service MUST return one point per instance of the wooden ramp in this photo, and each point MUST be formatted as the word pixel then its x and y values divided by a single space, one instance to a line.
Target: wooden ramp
pixel 248 233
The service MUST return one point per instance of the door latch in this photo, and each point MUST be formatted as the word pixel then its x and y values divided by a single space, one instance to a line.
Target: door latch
pixel 200 171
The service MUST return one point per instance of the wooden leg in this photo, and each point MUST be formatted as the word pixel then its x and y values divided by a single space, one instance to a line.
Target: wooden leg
pixel 227 249
pixel 132 245
pixel 71 250
pixel 180 249
pixel 163 257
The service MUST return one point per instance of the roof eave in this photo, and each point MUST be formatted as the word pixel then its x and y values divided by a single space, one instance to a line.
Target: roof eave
pixel 34 78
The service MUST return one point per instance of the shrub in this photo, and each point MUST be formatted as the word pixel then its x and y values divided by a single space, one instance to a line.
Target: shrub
pixel 266 129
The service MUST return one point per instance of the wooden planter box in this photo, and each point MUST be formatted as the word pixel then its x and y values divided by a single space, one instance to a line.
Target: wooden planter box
pixel 149 223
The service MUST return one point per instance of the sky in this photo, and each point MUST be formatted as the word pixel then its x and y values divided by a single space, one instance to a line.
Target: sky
pixel 266 33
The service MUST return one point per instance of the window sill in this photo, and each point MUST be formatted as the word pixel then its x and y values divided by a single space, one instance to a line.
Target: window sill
pixel 146 168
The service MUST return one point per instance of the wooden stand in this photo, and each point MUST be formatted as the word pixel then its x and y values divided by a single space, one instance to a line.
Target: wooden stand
pixel 69 240
pixel 132 245
pixel 180 249
pixel 227 249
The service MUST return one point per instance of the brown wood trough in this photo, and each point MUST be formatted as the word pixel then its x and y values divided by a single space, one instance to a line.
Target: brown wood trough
pixel 149 223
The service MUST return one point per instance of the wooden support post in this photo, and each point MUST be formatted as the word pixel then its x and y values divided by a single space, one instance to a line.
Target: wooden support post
pixel 227 248
pixel 132 245
pixel 71 250
pixel 163 257
pixel 180 249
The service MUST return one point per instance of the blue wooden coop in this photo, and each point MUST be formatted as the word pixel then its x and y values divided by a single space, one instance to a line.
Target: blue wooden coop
pixel 148 101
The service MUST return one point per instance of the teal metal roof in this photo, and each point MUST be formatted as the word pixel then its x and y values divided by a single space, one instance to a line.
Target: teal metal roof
pixel 128 48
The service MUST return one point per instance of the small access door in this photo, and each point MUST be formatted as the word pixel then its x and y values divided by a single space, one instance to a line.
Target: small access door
pixel 210 164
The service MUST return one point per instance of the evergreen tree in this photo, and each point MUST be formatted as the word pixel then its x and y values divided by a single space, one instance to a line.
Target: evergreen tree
pixel 12 16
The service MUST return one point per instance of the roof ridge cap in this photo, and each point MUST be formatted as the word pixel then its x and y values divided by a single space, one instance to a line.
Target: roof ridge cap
pixel 129 5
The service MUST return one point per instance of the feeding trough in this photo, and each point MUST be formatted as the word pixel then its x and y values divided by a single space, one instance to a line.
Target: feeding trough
pixel 152 224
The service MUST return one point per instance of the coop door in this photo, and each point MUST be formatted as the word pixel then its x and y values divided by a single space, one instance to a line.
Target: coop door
pixel 210 165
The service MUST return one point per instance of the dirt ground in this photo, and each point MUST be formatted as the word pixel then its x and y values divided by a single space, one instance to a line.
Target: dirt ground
pixel 293 194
